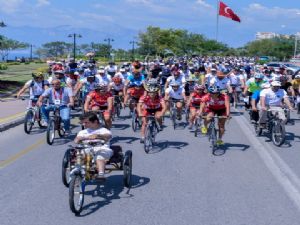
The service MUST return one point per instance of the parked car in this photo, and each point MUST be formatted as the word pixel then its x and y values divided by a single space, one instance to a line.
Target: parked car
pixel 289 67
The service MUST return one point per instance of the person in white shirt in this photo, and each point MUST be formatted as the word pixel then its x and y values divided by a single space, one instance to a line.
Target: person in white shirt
pixel 271 99
pixel 176 94
pixel 102 77
pixel 221 81
pixel 94 131
pixel 177 76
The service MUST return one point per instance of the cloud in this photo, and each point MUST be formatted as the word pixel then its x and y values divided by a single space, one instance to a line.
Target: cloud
pixel 10 6
pixel 203 3
pixel 155 6
pixel 94 16
pixel 41 3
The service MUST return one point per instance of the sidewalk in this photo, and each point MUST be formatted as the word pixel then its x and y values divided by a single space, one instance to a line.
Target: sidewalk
pixel 11 112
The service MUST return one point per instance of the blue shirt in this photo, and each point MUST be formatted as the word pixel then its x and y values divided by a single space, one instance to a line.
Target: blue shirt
pixel 131 78
pixel 63 95
pixel 255 95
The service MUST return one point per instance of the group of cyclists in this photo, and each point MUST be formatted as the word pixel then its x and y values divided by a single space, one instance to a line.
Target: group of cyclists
pixel 200 86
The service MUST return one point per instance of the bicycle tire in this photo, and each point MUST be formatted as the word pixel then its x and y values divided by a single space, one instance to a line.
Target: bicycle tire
pixel 50 134
pixel 278 133
pixel 148 139
pixel 127 169
pixel 29 121
pixel 76 182
pixel 66 168
pixel 61 131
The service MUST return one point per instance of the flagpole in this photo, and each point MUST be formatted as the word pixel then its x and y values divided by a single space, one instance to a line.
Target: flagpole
pixel 217 28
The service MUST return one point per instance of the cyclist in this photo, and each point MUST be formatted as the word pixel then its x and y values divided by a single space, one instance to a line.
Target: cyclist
pixel 94 131
pixel 255 100
pixel 176 94
pixel 117 88
pixel 59 75
pixel 212 72
pixel 195 101
pixel 296 87
pixel 177 76
pixel 100 99
pixel 222 81
pixel 215 103
pixel 61 97
pixel 36 87
pixel 252 85
pixel 102 77
pixel 149 104
pixel 86 85
pixel 111 69
pixel 272 99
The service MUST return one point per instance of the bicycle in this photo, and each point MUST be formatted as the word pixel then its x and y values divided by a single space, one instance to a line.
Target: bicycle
pixel 275 128
pixel 173 113
pixel 150 133
pixel 212 132
pixel 135 122
pixel 54 124
pixel 198 123
pixel 117 106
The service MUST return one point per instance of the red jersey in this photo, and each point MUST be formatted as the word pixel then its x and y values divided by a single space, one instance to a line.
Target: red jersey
pixel 98 99
pixel 215 104
pixel 150 103
pixel 196 99
pixel 136 93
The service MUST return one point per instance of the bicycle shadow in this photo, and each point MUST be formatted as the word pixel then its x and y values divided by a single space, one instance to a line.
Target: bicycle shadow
pixel 229 146
pixel 110 190
pixel 122 139
pixel 164 144
pixel 120 126
pixel 37 130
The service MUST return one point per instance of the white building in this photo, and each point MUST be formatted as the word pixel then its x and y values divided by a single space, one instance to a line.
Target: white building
pixel 265 35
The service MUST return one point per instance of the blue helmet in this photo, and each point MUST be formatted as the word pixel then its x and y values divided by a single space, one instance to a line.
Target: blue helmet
pixel 258 76
pixel 214 89
pixel 137 83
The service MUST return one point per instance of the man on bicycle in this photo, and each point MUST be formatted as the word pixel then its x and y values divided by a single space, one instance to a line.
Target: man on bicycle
pixel 151 104
pixel 36 87
pixel 215 103
pixel 271 99
pixel 61 97
pixel 176 94
pixel 195 101
pixel 94 131
pixel 100 99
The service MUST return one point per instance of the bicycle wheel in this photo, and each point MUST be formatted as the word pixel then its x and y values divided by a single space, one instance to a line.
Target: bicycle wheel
pixel 66 168
pixel 173 118
pixel 50 132
pixel 278 133
pixel 39 118
pixel 127 169
pixel 213 139
pixel 61 130
pixel 134 122
pixel 29 121
pixel 148 139
pixel 187 116
pixel 258 130
pixel 197 128
pixel 76 194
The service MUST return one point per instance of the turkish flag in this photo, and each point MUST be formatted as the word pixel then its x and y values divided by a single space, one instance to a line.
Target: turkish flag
pixel 224 10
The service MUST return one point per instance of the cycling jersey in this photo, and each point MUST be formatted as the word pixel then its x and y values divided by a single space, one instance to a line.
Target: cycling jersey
pixel 223 84
pixel 36 88
pixel 118 87
pixel 175 94
pixel 58 97
pixel 88 86
pixel 104 79
pixel 132 78
pixel 136 93
pixel 215 104
pixel 253 85
pixel 180 80
pixel 273 98
pixel 98 99
pixel 151 103
pixel 196 99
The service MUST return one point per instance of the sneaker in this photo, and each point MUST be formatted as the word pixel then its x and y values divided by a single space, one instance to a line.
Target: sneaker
pixel 204 130
pixel 220 142
pixel 142 140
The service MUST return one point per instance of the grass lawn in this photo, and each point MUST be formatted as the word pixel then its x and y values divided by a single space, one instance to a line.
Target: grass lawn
pixel 16 75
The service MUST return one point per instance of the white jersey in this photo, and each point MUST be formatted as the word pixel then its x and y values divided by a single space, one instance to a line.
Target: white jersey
pixel 273 98
pixel 35 88
pixel 235 79
pixel 176 95
pixel 115 87
pixel 181 80
pixel 223 84
pixel 104 79
pixel 208 78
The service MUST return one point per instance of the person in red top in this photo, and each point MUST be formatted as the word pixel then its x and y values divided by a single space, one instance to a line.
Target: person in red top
pixel 195 101
pixel 151 104
pixel 215 103
pixel 100 99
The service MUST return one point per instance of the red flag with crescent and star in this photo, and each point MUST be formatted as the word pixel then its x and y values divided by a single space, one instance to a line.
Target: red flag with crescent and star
pixel 226 11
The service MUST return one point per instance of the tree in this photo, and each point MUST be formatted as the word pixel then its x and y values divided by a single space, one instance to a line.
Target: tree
pixel 55 49
pixel 7 45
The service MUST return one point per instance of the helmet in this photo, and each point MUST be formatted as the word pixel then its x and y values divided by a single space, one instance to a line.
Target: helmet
pixel 38 74
pixel 225 71
pixel 214 89
pixel 100 71
pixel 117 80
pixel 101 86
pixel 297 77
pixel 137 83
pixel 174 84
pixel 152 89
pixel 265 85
pixel 199 87
pixel 152 82
pixel 59 72
pixel 258 76
pixel 276 84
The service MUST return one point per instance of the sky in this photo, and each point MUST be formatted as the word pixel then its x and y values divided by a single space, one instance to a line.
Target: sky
pixel 39 21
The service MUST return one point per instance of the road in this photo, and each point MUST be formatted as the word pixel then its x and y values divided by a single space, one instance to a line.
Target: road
pixel 179 182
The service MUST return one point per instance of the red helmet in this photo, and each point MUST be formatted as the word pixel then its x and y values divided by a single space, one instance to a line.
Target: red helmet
pixel 117 80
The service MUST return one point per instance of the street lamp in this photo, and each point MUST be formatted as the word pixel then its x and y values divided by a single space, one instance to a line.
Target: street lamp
pixel 31 46
pixel 108 40
pixel 133 42
pixel 74 36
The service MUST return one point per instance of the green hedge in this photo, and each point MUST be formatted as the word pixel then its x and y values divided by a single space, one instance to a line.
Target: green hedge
pixel 3 66
pixel 13 63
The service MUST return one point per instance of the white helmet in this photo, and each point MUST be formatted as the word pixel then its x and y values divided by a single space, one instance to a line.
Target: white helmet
pixel 276 83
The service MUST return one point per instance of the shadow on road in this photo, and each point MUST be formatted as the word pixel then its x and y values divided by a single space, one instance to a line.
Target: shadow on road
pixel 164 144
pixel 109 191
pixel 127 140
pixel 120 126
pixel 229 146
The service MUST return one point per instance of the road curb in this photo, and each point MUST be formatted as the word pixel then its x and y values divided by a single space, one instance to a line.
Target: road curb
pixel 11 124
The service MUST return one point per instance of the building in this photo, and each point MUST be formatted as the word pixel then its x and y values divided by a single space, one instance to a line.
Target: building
pixel 265 35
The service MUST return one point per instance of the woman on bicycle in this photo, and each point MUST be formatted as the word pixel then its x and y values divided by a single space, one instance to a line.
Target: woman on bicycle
pixel 195 101
pixel 215 103
pixel 100 99
pixel 151 104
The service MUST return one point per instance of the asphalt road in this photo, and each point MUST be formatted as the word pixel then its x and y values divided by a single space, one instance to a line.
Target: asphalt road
pixel 179 182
